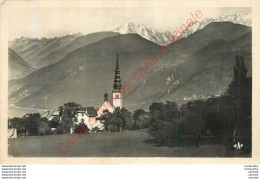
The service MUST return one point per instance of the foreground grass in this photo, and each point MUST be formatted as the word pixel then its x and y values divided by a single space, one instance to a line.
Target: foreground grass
pixel 117 144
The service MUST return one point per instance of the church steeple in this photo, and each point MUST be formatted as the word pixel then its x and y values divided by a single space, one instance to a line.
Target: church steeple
pixel 117 80
pixel 117 91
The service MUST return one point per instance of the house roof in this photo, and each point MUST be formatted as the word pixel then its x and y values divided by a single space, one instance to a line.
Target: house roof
pixel 56 113
pixel 91 111
pixel 47 114
pixel 82 109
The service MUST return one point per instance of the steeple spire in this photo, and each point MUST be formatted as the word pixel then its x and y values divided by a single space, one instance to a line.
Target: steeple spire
pixel 117 80
pixel 117 65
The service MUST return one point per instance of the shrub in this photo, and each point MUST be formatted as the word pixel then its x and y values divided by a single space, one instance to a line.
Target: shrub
pixel 81 128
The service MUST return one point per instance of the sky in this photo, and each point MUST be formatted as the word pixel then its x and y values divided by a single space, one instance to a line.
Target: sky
pixel 55 22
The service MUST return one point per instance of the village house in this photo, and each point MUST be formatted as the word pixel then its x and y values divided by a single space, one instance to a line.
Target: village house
pixel 88 116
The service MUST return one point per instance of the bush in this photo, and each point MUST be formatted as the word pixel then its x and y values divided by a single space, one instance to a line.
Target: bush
pixel 81 128
pixel 141 120
pixel 54 123
pixel 120 119
pixel 58 130
pixel 113 128
pixel 43 128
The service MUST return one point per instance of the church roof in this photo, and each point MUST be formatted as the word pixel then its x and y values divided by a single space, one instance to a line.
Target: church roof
pixel 108 104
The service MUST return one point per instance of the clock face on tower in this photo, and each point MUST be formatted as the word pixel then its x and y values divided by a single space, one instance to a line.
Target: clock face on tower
pixel 117 96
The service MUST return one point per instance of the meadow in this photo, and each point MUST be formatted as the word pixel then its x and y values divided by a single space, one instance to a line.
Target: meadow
pixel 115 144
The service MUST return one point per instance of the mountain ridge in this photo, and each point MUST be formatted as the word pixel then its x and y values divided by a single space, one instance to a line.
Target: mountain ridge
pixel 161 37
pixel 86 73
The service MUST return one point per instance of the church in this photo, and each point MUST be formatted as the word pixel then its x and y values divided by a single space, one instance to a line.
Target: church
pixel 116 100
pixel 91 116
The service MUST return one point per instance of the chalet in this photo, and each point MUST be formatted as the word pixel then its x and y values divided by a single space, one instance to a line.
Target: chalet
pixel 88 116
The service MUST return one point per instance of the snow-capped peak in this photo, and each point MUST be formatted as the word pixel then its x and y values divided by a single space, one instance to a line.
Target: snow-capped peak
pixel 130 27
pixel 239 18
pixel 160 38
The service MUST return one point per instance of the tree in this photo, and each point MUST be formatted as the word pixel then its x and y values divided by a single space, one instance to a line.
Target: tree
pixel 32 122
pixel 117 119
pixel 54 123
pixel 140 119
pixel 127 119
pixel 156 115
pixel 68 113
pixel 72 104
pixel 81 128
pixel 106 118
pixel 240 96
pixel 164 123
pixel 121 119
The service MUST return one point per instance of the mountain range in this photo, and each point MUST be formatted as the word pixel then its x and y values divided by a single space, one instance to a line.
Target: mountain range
pixel 161 37
pixel 199 67
pixel 40 53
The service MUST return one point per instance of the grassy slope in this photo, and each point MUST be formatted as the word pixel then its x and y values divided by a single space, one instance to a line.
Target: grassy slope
pixel 18 68
pixel 124 144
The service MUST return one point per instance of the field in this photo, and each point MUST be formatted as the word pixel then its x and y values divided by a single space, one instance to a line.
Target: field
pixel 117 144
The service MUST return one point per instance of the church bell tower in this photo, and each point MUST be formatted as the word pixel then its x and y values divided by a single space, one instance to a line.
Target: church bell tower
pixel 117 91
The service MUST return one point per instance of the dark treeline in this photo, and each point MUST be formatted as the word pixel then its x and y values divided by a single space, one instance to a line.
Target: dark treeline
pixel 219 120
pixel 30 125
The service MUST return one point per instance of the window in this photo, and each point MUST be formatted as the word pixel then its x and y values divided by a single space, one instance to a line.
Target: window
pixel 117 96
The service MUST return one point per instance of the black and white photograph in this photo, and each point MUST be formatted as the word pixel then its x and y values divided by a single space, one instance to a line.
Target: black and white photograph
pixel 120 81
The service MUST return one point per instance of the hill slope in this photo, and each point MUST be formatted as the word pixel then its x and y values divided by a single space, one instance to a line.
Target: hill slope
pixel 33 50
pixel 17 67
pixel 79 42
pixel 43 52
